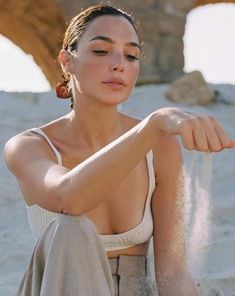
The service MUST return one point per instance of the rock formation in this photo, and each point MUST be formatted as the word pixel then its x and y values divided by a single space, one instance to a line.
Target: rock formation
pixel 190 88
pixel 38 26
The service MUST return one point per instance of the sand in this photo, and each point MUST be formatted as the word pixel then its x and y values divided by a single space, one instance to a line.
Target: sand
pixel 214 265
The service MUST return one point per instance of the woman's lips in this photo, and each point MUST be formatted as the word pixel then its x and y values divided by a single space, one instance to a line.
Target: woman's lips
pixel 116 84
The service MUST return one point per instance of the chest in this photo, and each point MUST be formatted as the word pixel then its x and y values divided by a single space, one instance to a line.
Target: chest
pixel 124 206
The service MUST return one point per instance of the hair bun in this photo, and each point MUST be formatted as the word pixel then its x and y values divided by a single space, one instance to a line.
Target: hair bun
pixel 62 90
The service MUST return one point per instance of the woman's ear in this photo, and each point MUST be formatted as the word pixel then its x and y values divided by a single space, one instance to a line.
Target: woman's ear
pixel 65 60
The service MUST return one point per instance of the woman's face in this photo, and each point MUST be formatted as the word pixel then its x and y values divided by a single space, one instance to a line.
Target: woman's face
pixel 106 65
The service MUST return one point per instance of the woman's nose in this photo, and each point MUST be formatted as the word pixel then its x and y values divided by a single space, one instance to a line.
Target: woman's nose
pixel 118 64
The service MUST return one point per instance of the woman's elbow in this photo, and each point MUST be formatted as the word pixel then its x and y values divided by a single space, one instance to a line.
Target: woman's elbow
pixel 69 202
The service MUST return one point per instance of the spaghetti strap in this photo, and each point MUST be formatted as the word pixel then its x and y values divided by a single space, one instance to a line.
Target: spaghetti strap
pixel 55 150
pixel 152 181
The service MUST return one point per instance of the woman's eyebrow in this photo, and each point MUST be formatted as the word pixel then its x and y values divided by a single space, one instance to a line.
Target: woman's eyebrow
pixel 109 40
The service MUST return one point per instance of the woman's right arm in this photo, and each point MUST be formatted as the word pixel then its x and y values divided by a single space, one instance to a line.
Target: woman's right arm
pixel 83 188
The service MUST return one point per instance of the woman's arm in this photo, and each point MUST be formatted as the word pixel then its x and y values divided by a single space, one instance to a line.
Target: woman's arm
pixel 84 187
pixel 172 274
pixel 79 190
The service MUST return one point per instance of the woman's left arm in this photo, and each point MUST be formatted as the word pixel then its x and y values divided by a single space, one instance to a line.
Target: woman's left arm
pixel 172 274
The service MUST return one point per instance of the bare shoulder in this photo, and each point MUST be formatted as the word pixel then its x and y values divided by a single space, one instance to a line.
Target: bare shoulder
pixel 15 145
pixel 29 146
pixel 24 147
pixel 167 144
pixel 167 155
pixel 129 121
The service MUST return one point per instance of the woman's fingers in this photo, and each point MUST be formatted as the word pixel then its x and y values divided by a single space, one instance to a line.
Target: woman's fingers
pixel 205 134
pixel 222 135
pixel 200 137
pixel 197 132
pixel 213 139
pixel 231 144
pixel 194 135
pixel 187 138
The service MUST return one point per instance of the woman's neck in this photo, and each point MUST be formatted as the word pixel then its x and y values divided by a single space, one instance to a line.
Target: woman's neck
pixel 96 126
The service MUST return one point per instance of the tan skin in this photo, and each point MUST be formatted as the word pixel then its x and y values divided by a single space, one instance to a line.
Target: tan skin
pixel 95 137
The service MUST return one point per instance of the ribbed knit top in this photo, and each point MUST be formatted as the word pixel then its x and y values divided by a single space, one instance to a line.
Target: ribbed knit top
pixel 39 218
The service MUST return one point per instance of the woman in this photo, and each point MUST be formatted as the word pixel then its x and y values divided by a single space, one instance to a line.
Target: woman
pixel 99 184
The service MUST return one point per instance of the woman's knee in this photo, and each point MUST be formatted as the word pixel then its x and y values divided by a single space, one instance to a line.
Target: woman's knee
pixel 75 224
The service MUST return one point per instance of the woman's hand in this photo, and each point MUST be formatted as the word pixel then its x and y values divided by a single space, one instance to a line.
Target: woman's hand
pixel 201 133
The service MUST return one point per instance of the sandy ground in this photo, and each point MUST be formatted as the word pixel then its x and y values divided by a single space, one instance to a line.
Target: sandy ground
pixel 214 265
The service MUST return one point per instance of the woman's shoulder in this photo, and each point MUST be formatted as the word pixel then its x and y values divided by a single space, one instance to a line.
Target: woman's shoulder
pixel 129 121
pixel 25 146
pixel 167 153
pixel 29 137
pixel 16 148
pixel 22 139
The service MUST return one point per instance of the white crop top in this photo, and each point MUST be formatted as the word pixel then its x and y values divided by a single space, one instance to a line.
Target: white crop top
pixel 39 218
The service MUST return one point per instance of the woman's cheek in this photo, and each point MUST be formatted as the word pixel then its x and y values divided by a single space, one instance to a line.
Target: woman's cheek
pixel 86 67
pixel 95 68
pixel 135 73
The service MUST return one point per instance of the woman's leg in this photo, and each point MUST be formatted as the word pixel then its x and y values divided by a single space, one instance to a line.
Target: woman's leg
pixel 69 259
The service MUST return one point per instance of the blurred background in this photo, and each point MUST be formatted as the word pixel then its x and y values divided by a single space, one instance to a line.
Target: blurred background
pixel 180 37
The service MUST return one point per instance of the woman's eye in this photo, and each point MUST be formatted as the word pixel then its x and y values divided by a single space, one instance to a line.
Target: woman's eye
pixel 100 52
pixel 132 57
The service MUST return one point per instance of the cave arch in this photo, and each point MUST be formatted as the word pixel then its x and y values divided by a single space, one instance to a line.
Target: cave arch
pixel 205 2
pixel 38 26
pixel 37 33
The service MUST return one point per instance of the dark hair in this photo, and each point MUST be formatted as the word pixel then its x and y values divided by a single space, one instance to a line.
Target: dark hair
pixel 79 23
pixel 77 27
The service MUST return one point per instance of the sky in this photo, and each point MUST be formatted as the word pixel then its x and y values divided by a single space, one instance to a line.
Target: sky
pixel 210 42
pixel 209 46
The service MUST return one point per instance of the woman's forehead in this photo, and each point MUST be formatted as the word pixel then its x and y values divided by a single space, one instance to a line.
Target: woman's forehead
pixel 113 27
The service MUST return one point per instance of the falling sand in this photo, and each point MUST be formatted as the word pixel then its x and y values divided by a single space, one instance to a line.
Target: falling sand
pixel 197 184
